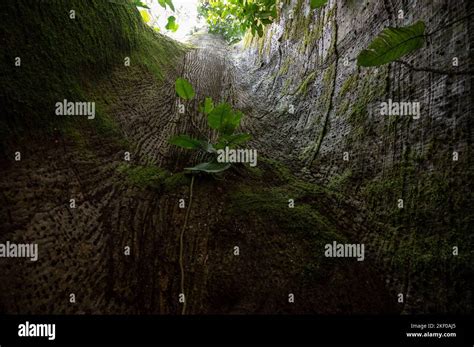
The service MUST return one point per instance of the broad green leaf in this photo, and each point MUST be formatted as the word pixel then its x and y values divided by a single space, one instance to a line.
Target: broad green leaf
pixel 218 115
pixel 392 44
pixel 162 3
pixel 208 106
pixel 231 123
pixel 220 145
pixel 236 139
pixel 210 167
pixel 170 4
pixel 208 147
pixel 317 3
pixel 171 25
pixel 145 15
pixel 184 141
pixel 184 89
pixel 224 119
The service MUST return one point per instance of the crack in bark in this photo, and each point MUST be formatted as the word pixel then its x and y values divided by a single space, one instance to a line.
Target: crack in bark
pixel 331 96
pixel 181 243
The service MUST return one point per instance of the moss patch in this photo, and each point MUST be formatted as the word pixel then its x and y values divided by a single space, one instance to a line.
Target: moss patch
pixel 152 177
pixel 302 89
pixel 349 84
pixel 58 54
pixel 270 201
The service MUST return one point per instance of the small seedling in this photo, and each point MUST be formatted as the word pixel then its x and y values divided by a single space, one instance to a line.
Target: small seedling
pixel 222 118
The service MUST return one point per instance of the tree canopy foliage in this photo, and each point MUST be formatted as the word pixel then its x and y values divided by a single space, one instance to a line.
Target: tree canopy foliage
pixel 232 18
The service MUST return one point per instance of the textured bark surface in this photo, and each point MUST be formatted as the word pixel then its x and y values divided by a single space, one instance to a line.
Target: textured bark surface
pixel 299 63
pixel 81 249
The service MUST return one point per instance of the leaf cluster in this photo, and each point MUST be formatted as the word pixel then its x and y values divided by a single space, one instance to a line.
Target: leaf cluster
pixel 232 18
pixel 222 118
pixel 171 25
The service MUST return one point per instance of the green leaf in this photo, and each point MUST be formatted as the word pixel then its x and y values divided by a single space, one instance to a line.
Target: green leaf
pixel 231 123
pixel 138 3
pixel 208 147
pixel 224 119
pixel 184 89
pixel 211 167
pixel 232 140
pixel 170 4
pixel 145 15
pixel 218 115
pixel 172 25
pixel 162 3
pixel 208 106
pixel 236 139
pixel 317 3
pixel 184 141
pixel 392 44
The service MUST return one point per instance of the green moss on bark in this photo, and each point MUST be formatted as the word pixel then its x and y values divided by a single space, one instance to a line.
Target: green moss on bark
pixel 152 177
pixel 58 54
